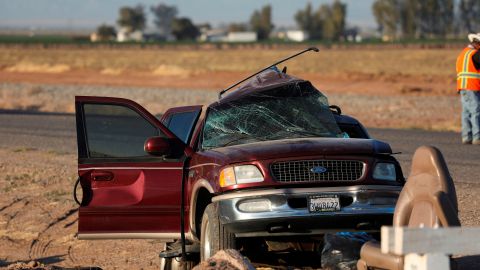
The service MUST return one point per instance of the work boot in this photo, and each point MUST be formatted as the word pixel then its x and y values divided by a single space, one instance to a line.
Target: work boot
pixel 476 142
pixel 466 142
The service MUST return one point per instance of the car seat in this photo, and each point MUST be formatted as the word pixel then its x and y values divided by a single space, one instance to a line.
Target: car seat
pixel 428 199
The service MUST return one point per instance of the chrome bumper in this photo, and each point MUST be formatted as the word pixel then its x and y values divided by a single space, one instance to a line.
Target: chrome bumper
pixel 364 208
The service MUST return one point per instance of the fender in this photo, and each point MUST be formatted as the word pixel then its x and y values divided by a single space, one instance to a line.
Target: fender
pixel 201 183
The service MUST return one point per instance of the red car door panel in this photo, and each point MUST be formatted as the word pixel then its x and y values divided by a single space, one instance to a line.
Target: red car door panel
pixel 127 192
pixel 126 189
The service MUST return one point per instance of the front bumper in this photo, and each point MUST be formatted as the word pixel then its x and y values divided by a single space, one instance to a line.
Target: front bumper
pixel 364 208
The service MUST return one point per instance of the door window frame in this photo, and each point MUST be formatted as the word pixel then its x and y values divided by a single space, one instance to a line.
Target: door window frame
pixel 192 127
pixel 82 136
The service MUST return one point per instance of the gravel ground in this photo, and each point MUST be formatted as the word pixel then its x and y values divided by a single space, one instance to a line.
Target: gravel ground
pixel 38 219
pixel 383 111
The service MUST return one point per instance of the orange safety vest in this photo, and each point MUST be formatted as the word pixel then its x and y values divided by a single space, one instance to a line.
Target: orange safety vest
pixel 468 77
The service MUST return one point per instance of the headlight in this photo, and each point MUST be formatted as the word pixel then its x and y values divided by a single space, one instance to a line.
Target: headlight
pixel 242 174
pixel 385 171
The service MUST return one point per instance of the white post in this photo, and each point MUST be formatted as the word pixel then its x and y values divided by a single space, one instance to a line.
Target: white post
pixel 435 261
pixel 451 240
pixel 430 248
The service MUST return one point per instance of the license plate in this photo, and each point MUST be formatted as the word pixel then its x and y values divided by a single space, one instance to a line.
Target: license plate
pixel 323 203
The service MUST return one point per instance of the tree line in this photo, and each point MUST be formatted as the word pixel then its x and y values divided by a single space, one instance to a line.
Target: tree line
pixel 132 19
pixel 411 19
pixel 396 19
pixel 167 22
pixel 328 22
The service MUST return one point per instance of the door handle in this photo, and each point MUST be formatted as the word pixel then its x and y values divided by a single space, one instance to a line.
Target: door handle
pixel 101 176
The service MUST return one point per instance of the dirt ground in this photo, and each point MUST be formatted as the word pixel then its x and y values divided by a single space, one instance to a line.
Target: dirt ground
pixel 363 71
pixel 392 88
pixel 38 217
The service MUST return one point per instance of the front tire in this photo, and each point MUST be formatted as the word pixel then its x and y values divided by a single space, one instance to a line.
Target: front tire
pixel 214 236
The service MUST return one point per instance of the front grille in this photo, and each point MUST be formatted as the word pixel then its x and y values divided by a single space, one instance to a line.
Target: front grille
pixel 317 170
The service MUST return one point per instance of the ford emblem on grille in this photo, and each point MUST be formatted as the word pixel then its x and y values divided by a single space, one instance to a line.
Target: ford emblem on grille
pixel 318 169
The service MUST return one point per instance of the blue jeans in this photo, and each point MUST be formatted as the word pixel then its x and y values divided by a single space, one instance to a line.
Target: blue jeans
pixel 470 115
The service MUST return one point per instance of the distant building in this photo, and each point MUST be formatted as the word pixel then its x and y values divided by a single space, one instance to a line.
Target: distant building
pixel 124 35
pixel 94 37
pixel 290 35
pixel 241 37
pixel 368 33
pixel 213 35
pixel 296 35
pixel 222 35
pixel 155 34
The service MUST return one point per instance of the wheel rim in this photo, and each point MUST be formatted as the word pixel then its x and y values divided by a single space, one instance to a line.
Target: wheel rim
pixel 206 241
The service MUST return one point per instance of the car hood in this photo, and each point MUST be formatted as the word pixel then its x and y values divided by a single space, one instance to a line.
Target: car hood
pixel 302 147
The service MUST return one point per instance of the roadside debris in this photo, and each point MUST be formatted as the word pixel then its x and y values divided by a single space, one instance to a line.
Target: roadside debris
pixel 35 265
pixel 228 259
pixel 29 265
pixel 341 251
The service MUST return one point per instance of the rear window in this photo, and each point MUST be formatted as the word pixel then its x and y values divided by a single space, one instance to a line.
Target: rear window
pixel 181 124
pixel 353 131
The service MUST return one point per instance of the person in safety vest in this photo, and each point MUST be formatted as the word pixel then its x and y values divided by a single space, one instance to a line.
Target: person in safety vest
pixel 468 85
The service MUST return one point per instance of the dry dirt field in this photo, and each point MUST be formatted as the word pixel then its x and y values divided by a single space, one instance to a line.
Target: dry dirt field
pixel 401 71
pixel 38 217
pixel 398 88
pixel 393 88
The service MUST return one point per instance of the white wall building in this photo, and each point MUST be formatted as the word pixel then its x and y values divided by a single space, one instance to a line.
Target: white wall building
pixel 296 35
pixel 241 37
pixel 213 35
pixel 124 35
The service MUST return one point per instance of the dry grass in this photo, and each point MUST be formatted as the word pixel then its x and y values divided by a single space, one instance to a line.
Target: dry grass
pixel 429 64
pixel 394 88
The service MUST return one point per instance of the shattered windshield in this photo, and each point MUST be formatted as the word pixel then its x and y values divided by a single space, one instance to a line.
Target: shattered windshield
pixel 292 111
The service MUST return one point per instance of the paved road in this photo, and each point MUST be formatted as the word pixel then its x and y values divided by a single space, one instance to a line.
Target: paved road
pixel 57 132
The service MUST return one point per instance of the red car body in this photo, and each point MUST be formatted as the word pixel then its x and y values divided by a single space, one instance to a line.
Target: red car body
pixel 139 195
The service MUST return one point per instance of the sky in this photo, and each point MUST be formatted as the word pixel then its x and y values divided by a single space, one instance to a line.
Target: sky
pixel 91 13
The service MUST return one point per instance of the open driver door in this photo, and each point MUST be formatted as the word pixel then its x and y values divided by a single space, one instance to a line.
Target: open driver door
pixel 127 192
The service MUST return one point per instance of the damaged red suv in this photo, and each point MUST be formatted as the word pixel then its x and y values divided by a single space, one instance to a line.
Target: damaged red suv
pixel 271 158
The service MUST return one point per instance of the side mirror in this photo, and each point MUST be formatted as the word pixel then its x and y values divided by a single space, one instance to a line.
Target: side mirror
pixel 157 146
